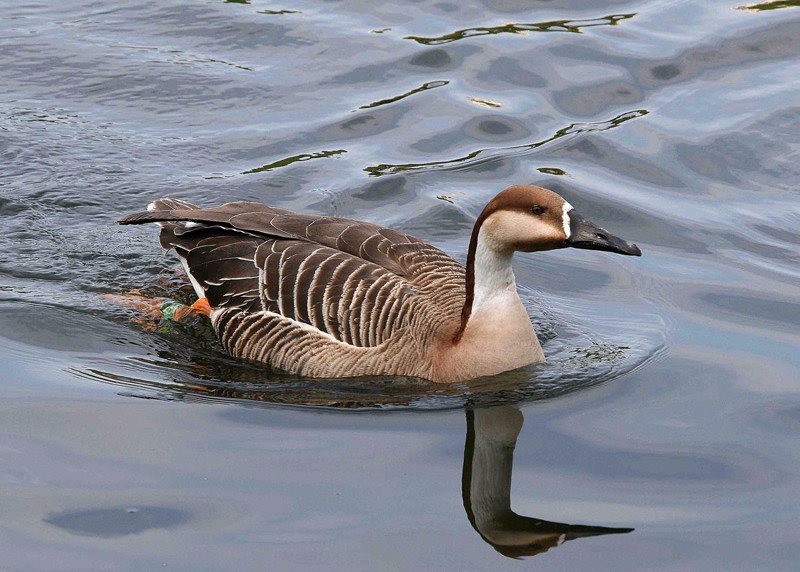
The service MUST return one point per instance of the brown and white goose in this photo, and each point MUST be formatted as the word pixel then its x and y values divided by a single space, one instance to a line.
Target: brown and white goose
pixel 331 297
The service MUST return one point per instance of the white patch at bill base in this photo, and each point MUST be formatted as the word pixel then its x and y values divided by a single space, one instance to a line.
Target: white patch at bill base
pixel 565 218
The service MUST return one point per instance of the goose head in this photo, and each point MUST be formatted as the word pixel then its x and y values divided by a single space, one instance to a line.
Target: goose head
pixel 523 218
pixel 528 218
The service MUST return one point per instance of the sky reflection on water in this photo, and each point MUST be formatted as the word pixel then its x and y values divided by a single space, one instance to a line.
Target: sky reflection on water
pixel 670 401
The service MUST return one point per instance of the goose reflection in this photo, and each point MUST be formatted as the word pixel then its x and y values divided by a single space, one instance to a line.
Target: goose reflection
pixel 486 489
pixel 488 452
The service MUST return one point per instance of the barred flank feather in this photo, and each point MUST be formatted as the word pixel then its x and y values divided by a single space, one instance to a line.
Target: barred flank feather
pixel 312 294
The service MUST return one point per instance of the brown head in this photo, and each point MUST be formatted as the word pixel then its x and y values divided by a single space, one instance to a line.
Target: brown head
pixel 527 218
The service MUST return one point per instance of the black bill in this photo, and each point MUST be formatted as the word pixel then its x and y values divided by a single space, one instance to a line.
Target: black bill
pixel 584 234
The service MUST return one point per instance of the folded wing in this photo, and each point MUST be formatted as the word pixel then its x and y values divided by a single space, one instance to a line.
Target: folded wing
pixel 357 282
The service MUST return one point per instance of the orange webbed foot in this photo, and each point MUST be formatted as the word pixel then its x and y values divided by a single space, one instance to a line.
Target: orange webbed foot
pixel 201 306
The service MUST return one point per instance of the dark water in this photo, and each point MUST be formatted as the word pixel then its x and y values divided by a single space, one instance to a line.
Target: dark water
pixel 671 401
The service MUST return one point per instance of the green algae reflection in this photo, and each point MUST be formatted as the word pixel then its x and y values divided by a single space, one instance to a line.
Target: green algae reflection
pixel 777 5
pixel 572 26
pixel 486 155
pixel 294 159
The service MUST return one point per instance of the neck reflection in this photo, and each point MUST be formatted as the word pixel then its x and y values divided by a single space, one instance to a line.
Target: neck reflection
pixel 486 489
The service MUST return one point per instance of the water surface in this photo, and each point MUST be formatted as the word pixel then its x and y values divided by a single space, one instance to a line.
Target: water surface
pixel 670 403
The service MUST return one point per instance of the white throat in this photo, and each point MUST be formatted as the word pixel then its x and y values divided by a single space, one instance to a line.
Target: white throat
pixel 494 276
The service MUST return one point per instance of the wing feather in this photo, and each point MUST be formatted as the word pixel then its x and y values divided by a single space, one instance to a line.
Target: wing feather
pixel 358 282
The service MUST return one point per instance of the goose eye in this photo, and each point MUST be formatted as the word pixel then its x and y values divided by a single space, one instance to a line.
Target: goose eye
pixel 537 209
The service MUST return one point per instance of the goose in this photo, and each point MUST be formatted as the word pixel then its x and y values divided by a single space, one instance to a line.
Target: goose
pixel 327 297
pixel 486 489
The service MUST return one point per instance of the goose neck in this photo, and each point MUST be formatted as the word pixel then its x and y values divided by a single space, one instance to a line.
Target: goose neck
pixel 493 275
pixel 489 277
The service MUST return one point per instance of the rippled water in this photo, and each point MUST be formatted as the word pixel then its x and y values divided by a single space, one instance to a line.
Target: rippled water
pixel 670 403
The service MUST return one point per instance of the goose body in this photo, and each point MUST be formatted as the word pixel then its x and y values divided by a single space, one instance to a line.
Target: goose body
pixel 331 297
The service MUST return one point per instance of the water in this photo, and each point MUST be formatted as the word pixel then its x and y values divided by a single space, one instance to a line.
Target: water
pixel 670 404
